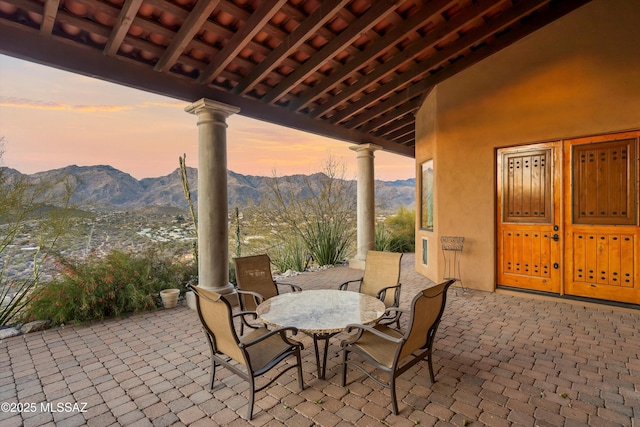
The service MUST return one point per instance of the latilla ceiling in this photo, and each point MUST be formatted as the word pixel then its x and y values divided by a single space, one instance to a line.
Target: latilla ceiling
pixel 356 70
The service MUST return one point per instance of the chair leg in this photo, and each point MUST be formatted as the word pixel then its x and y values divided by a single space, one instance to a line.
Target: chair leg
pixel 433 378
pixel 345 353
pixel 213 374
pixel 300 379
pixel 392 391
pixel 252 395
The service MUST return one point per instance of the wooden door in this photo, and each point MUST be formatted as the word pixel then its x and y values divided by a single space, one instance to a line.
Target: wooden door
pixel 602 244
pixel 529 217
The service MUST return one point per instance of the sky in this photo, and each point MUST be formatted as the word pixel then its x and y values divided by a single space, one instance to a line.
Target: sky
pixel 51 119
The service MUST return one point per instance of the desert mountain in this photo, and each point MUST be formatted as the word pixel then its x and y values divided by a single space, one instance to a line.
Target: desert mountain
pixel 104 187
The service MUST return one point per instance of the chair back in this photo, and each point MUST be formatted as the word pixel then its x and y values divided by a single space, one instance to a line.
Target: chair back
pixel 216 317
pixel 253 273
pixel 382 269
pixel 427 308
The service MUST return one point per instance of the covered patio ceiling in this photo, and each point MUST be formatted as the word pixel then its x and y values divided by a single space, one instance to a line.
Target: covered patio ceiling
pixel 355 70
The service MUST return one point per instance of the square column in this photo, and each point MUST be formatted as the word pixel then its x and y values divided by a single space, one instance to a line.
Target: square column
pixel 366 235
pixel 213 230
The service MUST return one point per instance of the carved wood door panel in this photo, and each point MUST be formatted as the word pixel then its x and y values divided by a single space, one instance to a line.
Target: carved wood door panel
pixel 602 246
pixel 529 217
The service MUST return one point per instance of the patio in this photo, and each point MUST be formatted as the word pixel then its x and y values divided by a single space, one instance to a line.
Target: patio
pixel 499 360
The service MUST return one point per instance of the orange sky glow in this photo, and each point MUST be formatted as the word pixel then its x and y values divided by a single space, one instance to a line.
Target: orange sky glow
pixel 51 119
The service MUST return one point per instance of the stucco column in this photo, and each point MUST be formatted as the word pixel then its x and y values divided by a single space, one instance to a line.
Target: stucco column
pixel 213 229
pixel 366 237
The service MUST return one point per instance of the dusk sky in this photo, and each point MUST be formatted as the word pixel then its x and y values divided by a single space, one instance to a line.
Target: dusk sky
pixel 51 119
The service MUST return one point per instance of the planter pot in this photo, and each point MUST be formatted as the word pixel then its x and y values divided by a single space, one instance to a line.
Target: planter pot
pixel 169 297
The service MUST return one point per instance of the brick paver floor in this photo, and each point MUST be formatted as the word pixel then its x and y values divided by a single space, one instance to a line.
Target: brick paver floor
pixel 499 359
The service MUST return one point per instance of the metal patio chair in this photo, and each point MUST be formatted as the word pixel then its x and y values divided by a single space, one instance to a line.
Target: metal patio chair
pixel 247 356
pixel 255 283
pixel 381 279
pixel 393 351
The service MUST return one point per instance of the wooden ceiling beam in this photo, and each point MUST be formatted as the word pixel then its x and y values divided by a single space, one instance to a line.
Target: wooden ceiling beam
pixel 410 53
pixel 376 49
pixel 49 16
pixel 189 28
pixel 455 49
pixel 240 39
pixel 400 131
pixel 371 17
pixel 121 27
pixel 300 35
pixel 425 85
pixel 407 139
pixel 389 117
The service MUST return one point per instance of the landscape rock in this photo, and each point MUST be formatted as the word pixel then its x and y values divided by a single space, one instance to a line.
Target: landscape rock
pixel 8 333
pixel 38 325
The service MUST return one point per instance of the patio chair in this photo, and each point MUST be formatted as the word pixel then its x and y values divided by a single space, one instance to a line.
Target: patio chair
pixel 395 352
pixel 381 280
pixel 247 356
pixel 256 284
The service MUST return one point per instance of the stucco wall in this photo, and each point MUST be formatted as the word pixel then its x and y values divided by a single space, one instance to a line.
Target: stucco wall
pixel 578 76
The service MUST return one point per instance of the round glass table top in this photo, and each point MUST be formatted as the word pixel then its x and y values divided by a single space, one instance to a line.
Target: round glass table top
pixel 320 311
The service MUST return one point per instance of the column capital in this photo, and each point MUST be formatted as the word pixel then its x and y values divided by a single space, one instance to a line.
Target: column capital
pixel 368 148
pixel 205 104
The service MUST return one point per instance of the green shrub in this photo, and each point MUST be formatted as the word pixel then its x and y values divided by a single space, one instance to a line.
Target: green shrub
pixel 97 288
pixel 397 233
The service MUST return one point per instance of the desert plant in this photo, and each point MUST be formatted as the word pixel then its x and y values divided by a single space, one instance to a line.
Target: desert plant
pixel 292 254
pixel 27 205
pixel 320 213
pixel 383 240
pixel 187 194
pixel 96 288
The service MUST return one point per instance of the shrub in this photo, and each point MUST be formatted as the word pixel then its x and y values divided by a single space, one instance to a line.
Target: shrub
pixel 397 233
pixel 97 288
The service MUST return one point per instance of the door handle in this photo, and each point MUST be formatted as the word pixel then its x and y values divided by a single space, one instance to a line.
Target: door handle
pixel 555 237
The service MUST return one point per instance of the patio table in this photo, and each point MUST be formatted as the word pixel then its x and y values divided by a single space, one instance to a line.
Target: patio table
pixel 321 314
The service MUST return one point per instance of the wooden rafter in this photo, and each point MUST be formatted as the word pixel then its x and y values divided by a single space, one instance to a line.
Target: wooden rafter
pixel 376 12
pixel 258 19
pixel 454 50
pixel 49 16
pixel 125 19
pixel 199 14
pixel 377 48
pixel 384 119
pixel 313 23
pixel 418 89
pixel 410 53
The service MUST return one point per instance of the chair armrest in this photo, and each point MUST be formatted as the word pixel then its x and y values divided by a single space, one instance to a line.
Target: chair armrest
pixel 245 313
pixel 294 288
pixel 345 286
pixel 382 293
pixel 256 296
pixel 280 331
pixel 363 328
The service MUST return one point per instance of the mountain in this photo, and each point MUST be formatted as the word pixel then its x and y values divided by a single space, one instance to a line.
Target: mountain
pixel 104 187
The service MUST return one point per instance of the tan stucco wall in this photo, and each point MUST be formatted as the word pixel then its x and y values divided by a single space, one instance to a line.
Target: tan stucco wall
pixel 578 76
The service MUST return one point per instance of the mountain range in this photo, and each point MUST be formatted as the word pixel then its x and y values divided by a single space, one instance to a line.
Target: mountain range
pixel 104 187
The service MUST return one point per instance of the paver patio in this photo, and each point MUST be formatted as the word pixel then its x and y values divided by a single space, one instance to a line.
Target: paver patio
pixel 499 360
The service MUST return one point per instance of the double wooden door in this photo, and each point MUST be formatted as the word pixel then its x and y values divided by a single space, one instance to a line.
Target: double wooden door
pixel 568 217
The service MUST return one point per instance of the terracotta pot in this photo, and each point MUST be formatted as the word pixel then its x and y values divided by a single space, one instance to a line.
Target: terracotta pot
pixel 169 297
